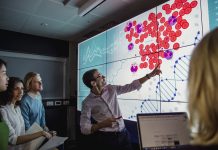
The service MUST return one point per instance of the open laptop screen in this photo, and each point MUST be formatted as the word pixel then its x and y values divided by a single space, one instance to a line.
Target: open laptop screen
pixel 162 130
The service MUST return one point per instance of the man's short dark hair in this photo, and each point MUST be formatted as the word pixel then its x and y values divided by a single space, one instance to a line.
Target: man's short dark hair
pixel 88 76
pixel 2 62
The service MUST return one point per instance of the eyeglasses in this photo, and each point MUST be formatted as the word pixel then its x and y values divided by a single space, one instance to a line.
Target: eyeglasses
pixel 99 76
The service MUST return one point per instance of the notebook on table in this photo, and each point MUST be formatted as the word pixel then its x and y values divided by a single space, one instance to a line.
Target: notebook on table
pixel 163 130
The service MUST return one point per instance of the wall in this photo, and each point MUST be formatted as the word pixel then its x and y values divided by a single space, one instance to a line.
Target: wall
pixel 24 43
pixel 73 84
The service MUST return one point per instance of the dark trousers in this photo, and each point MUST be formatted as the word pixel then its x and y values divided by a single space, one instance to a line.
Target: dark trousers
pixel 112 140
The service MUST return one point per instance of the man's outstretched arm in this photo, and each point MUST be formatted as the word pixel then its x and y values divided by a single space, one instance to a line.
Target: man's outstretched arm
pixel 155 72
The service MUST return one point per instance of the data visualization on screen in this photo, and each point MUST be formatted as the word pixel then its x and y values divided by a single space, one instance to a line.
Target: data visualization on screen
pixel 165 35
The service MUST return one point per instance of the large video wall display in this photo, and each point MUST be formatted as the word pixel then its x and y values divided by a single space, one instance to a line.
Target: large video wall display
pixel 166 34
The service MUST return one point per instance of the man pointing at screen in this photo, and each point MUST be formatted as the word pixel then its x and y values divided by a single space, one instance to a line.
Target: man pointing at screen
pixel 102 105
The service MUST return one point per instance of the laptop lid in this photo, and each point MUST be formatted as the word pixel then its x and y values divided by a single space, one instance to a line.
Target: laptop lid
pixel 163 130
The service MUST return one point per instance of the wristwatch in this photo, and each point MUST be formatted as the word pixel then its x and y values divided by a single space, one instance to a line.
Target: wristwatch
pixel 147 76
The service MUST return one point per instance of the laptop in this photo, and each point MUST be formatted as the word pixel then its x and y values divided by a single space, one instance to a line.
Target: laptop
pixel 163 130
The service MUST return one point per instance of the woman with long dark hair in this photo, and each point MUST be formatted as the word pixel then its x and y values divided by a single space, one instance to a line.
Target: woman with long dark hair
pixel 11 114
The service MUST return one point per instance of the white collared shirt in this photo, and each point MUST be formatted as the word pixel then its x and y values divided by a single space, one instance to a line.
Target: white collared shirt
pixel 12 117
pixel 105 106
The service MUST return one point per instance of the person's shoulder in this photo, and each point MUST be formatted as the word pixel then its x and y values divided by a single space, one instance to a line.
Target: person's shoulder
pixel 3 110
pixel 87 99
pixel 111 87
pixel 17 108
pixel 25 97
pixel 4 107
pixel 25 101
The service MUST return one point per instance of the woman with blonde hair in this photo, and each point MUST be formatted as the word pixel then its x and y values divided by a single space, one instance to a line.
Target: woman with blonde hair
pixel 31 105
pixel 203 94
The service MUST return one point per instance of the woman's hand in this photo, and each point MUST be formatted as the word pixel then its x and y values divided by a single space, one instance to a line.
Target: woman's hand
pixel 53 133
pixel 46 134
pixel 46 128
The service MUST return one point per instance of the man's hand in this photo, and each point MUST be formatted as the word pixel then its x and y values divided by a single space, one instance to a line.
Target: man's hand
pixel 109 122
pixel 155 72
